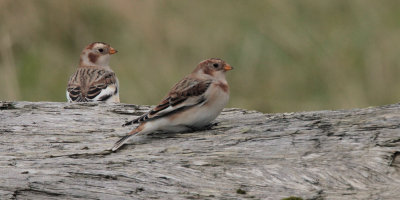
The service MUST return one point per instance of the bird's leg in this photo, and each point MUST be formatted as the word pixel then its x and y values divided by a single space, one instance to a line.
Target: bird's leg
pixel 207 127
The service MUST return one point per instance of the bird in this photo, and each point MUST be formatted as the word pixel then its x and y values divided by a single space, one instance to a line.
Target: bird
pixel 94 80
pixel 191 104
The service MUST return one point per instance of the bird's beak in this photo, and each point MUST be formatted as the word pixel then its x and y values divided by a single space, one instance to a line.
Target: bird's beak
pixel 227 67
pixel 112 51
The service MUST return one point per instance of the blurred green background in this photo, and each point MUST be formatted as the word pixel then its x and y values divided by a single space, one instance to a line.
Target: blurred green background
pixel 288 55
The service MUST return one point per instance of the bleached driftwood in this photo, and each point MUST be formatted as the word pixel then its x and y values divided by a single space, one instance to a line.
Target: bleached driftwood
pixel 59 151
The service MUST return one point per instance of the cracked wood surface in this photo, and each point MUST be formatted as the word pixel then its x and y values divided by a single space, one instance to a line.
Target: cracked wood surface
pixel 59 151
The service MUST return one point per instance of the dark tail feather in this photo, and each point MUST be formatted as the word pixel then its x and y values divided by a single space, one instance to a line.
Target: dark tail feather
pixel 120 142
pixel 137 120
pixel 130 122
pixel 125 139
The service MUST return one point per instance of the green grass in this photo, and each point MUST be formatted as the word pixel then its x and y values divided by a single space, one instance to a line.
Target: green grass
pixel 288 55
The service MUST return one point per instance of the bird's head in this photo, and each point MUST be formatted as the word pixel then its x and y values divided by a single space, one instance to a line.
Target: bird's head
pixel 214 67
pixel 97 54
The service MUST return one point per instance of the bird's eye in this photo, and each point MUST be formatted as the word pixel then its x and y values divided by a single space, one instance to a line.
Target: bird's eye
pixel 215 65
pixel 101 50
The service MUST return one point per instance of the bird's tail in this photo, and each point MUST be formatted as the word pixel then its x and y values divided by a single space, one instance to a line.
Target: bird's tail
pixel 125 139
pixel 120 142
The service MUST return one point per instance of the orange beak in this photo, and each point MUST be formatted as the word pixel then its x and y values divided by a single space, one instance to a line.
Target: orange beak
pixel 227 67
pixel 112 51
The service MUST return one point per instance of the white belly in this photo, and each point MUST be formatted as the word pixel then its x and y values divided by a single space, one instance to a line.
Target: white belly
pixel 197 116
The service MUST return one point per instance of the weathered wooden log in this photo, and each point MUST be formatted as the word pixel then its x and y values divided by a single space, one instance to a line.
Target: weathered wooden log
pixel 60 151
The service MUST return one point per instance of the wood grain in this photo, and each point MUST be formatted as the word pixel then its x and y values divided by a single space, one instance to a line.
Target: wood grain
pixel 54 150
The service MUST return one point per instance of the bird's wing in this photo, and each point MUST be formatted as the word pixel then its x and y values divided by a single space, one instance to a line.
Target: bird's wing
pixel 186 93
pixel 88 84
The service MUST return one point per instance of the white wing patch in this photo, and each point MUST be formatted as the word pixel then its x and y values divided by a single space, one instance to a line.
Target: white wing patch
pixel 68 98
pixel 109 91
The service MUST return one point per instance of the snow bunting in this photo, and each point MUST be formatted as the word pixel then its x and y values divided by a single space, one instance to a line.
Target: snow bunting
pixel 94 81
pixel 192 103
